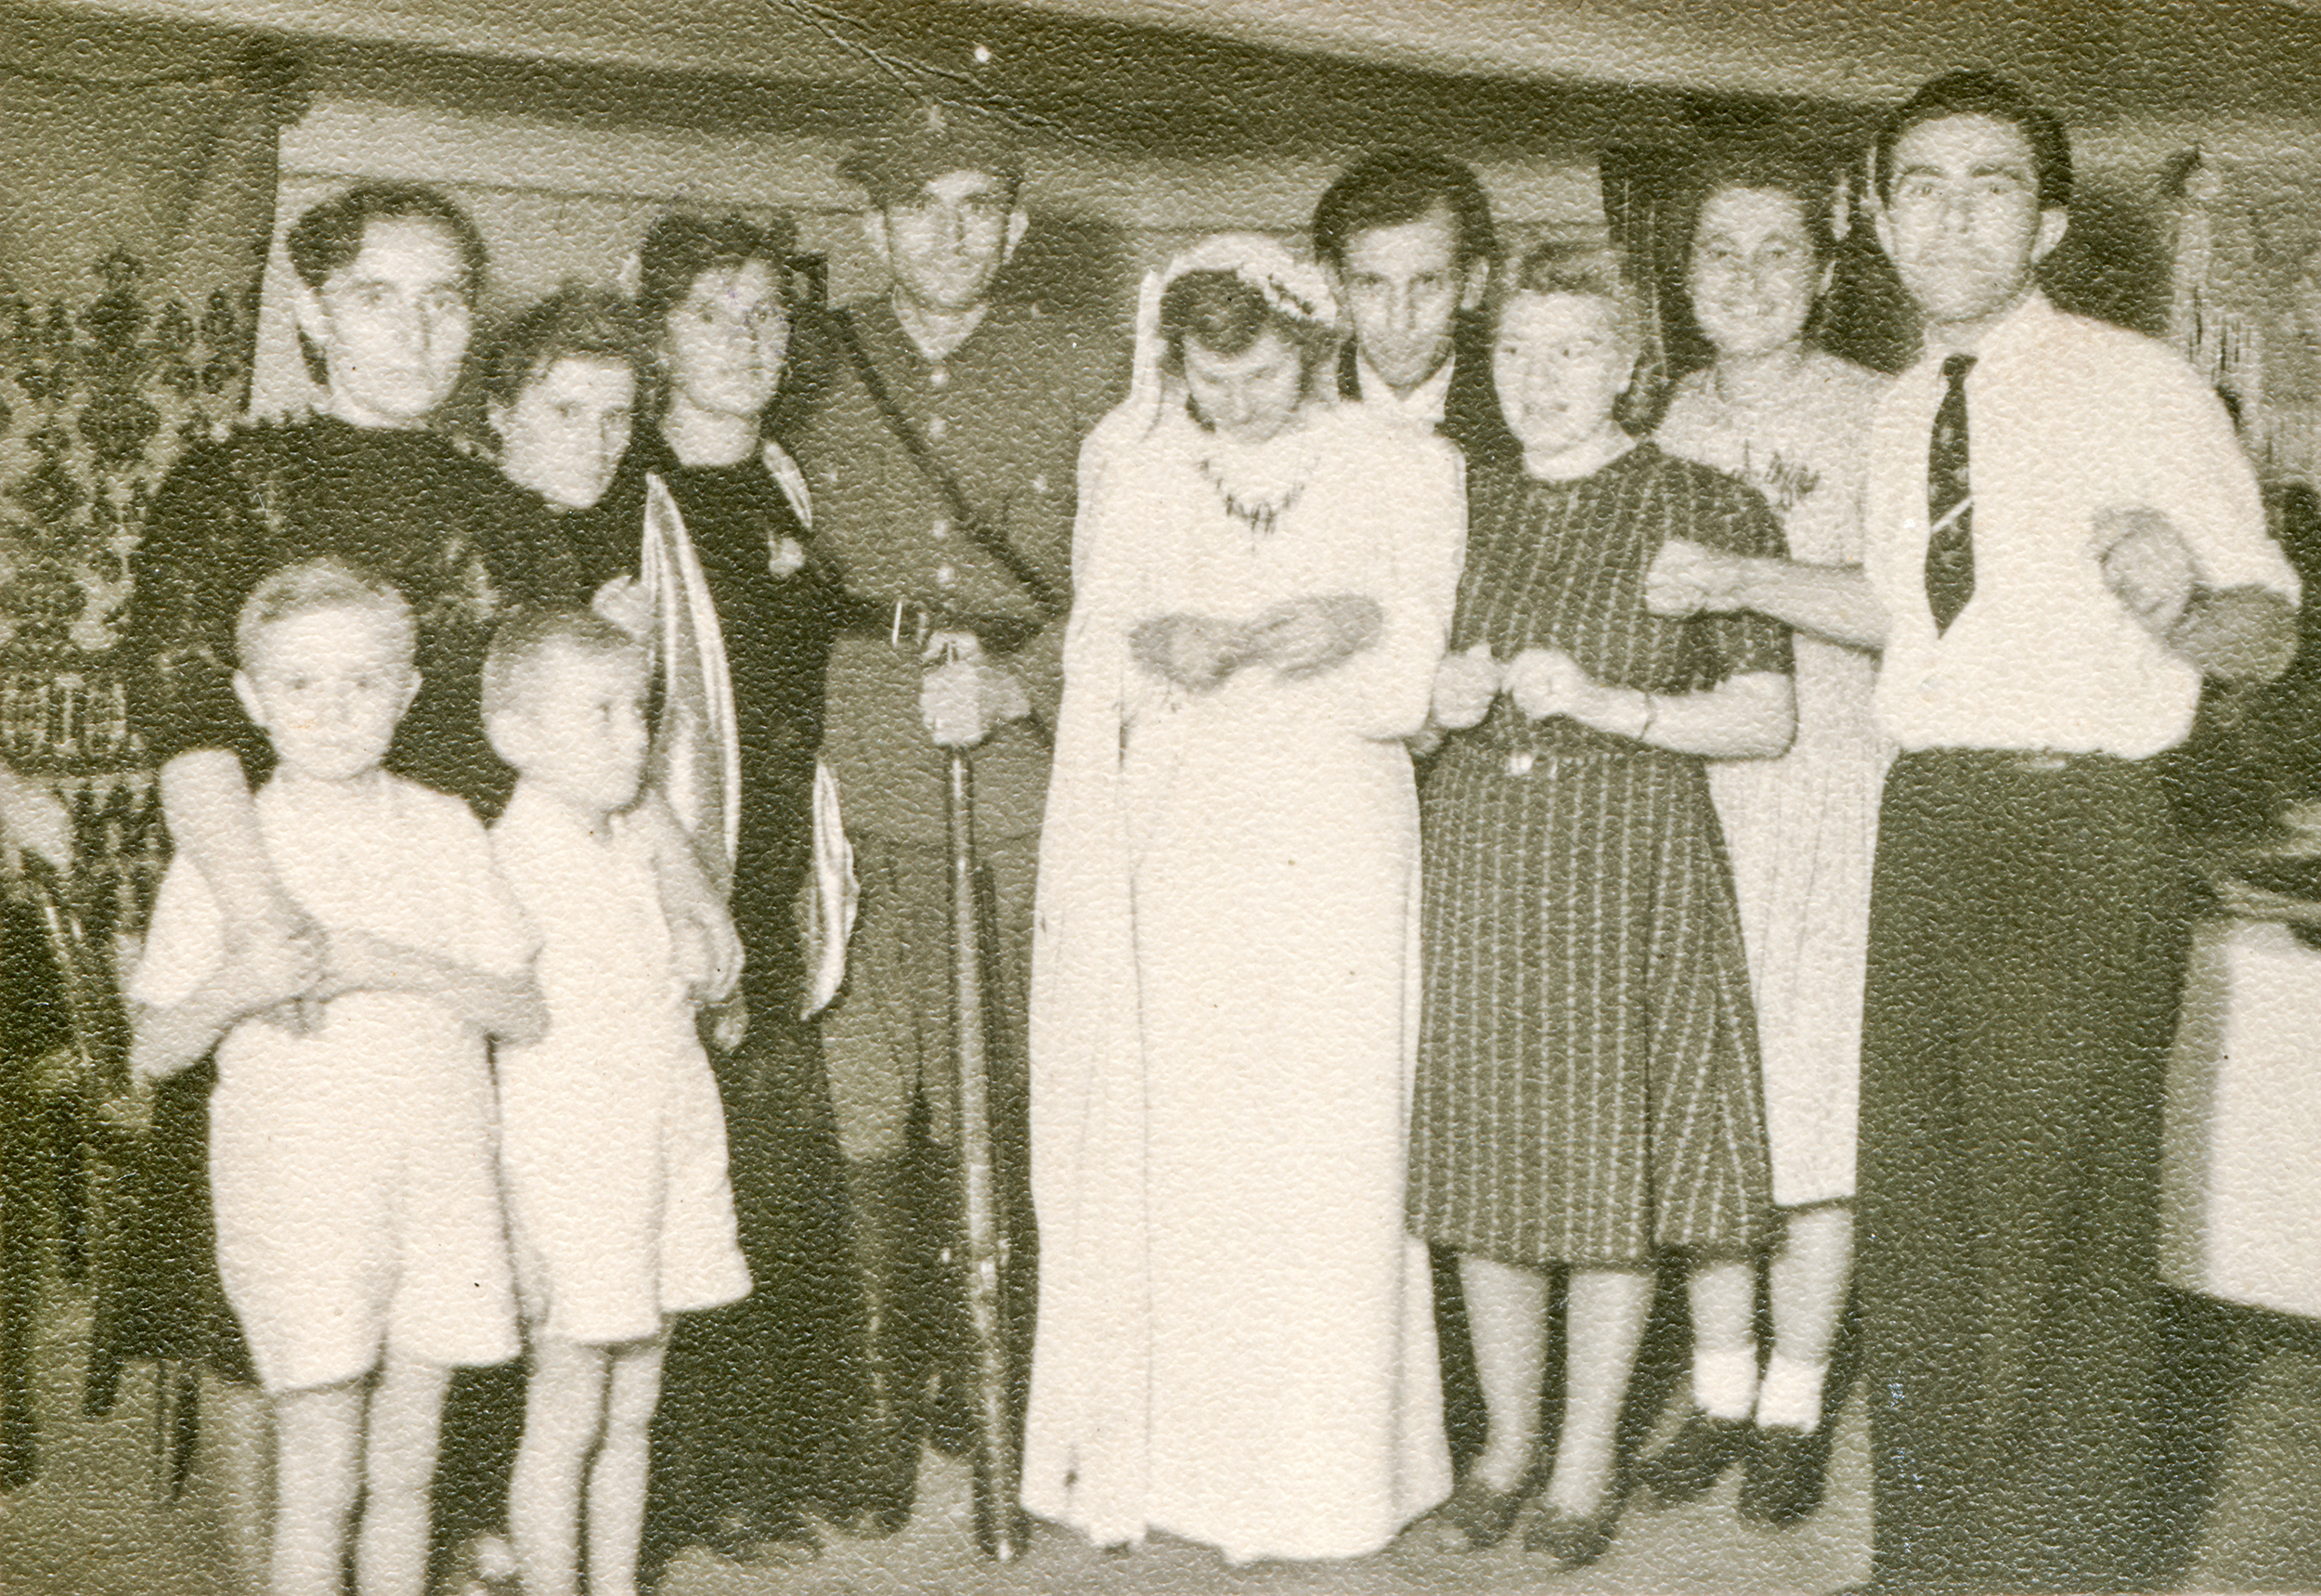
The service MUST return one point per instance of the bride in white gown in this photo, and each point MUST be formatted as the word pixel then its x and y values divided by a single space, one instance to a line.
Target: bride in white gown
pixel 1236 1342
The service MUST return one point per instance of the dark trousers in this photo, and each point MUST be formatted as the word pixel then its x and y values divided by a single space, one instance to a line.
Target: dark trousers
pixel 2026 947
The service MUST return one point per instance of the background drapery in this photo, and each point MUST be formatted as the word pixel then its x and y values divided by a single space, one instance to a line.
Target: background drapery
pixel 136 196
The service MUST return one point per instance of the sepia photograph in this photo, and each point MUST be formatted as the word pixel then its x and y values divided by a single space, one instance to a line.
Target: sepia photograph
pixel 1026 797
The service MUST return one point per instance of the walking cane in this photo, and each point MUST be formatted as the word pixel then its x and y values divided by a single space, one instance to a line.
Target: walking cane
pixel 998 1470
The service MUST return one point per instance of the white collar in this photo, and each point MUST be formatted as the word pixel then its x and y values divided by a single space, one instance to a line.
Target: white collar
pixel 2019 329
pixel 1423 403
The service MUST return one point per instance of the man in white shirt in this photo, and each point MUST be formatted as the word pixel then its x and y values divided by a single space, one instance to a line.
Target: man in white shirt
pixel 1408 236
pixel 2063 538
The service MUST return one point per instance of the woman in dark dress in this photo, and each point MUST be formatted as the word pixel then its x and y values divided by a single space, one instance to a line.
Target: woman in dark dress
pixel 558 386
pixel 1587 1089
pixel 755 1428
pixel 387 275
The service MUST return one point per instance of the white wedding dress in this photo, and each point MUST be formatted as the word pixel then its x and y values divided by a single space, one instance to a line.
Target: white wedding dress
pixel 1236 1339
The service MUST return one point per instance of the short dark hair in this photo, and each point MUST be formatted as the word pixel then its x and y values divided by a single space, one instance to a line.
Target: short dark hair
pixel 1985 93
pixel 680 246
pixel 1224 313
pixel 525 638
pixel 330 235
pixel 328 583
pixel 1392 188
pixel 1772 171
pixel 575 322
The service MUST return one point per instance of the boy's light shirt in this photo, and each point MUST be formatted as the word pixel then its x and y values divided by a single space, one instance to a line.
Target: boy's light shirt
pixel 382 854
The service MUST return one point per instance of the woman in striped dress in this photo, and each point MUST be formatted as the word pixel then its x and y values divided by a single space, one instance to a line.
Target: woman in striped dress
pixel 1587 1089
pixel 1793 423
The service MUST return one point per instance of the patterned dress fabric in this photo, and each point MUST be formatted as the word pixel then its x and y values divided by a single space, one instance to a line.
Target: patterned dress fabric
pixel 1800 830
pixel 1588 1074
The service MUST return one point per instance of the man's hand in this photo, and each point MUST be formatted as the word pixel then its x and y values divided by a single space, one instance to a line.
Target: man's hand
pixel 964 698
pixel 1547 682
pixel 1689 578
pixel 2146 564
pixel 1196 653
pixel 1305 637
pixel 787 557
pixel 1464 685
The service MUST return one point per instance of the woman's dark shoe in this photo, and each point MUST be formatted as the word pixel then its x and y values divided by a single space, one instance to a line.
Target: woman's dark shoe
pixel 1572 1541
pixel 1485 1515
pixel 1694 1458
pixel 1781 1481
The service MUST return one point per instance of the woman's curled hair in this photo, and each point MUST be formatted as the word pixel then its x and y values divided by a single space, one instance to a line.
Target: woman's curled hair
pixel 1226 314
pixel 574 324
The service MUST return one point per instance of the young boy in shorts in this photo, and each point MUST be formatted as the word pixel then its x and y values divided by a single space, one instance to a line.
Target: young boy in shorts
pixel 359 1223
pixel 612 1138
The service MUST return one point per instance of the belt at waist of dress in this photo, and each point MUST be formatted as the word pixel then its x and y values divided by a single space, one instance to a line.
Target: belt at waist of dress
pixel 2033 760
pixel 1522 761
pixel 905 624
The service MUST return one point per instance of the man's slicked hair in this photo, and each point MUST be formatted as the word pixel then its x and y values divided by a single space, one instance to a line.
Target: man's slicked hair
pixel 330 235
pixel 1985 93
pixel 1393 187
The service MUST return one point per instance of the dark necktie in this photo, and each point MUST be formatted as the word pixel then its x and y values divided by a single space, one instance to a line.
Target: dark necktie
pixel 1949 503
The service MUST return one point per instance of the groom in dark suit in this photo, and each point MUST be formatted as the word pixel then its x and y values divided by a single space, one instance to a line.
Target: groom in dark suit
pixel 1409 236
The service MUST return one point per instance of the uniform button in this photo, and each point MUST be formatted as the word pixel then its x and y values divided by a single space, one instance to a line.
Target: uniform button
pixel 945 576
pixel 942 529
pixel 938 378
pixel 936 426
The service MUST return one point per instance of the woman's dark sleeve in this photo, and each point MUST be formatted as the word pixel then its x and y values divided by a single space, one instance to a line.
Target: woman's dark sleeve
pixel 197 557
pixel 1734 516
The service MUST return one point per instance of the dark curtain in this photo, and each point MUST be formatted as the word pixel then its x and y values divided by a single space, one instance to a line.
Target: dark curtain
pixel 136 202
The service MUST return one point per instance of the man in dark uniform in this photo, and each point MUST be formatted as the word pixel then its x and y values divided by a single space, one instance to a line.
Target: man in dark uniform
pixel 940 441
pixel 1409 235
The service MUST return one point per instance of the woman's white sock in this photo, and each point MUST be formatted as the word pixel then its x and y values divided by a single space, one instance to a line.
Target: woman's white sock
pixel 1792 1393
pixel 1724 1382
